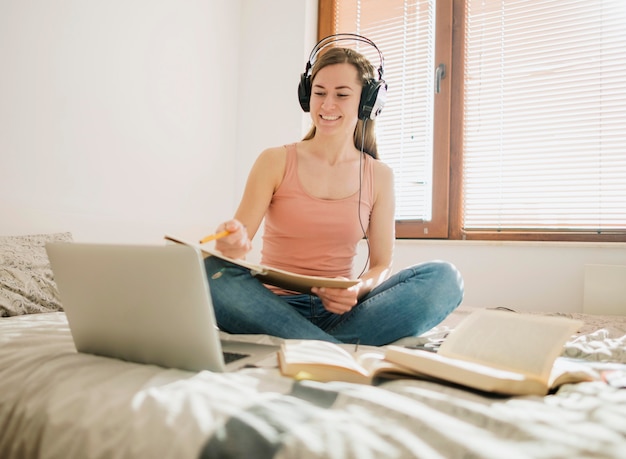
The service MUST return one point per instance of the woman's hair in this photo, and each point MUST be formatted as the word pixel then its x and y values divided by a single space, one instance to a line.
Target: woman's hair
pixel 362 140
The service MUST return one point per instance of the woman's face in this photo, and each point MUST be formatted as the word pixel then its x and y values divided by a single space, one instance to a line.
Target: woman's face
pixel 335 96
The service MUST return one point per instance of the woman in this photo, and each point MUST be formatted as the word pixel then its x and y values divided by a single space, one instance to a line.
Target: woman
pixel 319 197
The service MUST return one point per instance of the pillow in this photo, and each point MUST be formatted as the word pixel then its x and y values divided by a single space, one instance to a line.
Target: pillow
pixel 26 283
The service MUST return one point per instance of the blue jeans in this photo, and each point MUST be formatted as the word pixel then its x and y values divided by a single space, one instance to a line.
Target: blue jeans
pixel 409 303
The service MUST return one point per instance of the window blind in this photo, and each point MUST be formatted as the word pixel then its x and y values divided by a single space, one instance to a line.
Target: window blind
pixel 404 32
pixel 545 115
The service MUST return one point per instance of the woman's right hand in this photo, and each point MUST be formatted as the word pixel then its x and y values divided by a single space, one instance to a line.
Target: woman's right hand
pixel 237 244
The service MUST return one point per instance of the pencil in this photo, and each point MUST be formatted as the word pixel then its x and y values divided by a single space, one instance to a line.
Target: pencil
pixel 212 237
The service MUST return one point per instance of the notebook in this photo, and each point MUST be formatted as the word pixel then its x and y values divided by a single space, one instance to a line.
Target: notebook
pixel 146 304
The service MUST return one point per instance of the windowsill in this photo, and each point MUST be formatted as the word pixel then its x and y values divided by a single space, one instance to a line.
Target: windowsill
pixel 491 243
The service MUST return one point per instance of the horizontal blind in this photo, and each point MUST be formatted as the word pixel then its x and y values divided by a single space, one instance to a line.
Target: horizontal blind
pixel 404 32
pixel 545 115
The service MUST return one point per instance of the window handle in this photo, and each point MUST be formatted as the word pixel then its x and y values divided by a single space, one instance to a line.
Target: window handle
pixel 440 74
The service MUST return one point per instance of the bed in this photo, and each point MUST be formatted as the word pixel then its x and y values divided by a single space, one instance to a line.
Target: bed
pixel 57 403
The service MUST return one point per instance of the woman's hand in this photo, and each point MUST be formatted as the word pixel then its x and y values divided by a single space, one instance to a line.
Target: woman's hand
pixel 237 244
pixel 338 300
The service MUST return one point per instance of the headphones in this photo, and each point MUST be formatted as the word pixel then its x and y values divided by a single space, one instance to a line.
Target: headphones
pixel 374 92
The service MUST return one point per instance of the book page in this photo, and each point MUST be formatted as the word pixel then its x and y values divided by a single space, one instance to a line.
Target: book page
pixel 511 341
pixel 325 361
pixel 572 371
pixel 466 373
pixel 377 365
pixel 314 352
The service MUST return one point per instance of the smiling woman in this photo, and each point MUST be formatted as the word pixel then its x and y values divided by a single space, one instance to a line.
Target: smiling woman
pixel 372 89
pixel 332 98
pixel 332 176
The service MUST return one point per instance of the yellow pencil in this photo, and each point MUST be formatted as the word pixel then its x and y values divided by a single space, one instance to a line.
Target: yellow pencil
pixel 212 237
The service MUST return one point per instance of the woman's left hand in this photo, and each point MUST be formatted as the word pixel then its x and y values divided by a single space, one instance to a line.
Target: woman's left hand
pixel 337 300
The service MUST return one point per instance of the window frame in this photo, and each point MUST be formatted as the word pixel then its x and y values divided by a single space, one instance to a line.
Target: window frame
pixel 447 220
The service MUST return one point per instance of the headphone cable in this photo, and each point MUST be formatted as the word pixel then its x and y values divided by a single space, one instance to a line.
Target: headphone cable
pixel 359 204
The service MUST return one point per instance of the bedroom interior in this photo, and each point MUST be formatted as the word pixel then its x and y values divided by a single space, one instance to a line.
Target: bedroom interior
pixel 100 143
pixel 123 122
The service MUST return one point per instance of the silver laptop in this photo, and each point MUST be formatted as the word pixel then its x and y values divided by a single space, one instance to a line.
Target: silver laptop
pixel 145 303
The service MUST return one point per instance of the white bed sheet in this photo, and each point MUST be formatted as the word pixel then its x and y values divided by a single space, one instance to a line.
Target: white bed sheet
pixel 57 403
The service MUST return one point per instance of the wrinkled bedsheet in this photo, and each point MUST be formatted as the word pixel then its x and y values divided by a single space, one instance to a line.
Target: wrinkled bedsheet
pixel 57 403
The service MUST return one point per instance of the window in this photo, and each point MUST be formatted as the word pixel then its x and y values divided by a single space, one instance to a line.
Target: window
pixel 410 140
pixel 526 137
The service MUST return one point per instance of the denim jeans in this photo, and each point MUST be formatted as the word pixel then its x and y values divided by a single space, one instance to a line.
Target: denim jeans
pixel 409 303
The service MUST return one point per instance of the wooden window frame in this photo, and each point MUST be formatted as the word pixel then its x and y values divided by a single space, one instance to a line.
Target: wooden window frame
pixel 447 222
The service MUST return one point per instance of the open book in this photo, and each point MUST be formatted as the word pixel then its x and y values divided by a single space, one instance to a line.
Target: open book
pixel 325 361
pixel 492 351
pixel 273 276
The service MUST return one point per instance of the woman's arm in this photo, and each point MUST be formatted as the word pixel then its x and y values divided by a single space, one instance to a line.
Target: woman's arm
pixel 264 178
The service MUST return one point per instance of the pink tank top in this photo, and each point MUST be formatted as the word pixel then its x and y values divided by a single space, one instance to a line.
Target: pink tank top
pixel 314 236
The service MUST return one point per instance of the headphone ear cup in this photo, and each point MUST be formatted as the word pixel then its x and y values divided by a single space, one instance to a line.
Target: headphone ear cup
pixel 304 92
pixel 373 97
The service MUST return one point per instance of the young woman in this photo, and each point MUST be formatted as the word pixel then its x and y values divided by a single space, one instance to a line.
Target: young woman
pixel 319 197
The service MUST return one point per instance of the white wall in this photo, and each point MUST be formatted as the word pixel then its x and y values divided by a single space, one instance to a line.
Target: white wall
pixel 273 54
pixel 122 120
pixel 118 119
pixel 526 276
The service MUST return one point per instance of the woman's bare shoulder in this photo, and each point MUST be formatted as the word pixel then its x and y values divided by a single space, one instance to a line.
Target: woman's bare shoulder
pixel 270 165
pixel 273 155
pixel 383 171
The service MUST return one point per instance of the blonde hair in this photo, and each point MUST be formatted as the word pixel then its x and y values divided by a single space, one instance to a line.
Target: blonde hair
pixel 364 132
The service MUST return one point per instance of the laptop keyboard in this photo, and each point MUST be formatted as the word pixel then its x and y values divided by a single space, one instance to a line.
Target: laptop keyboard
pixel 233 356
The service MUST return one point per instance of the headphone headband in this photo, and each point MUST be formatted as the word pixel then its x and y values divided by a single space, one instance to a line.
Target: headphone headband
pixel 374 92
pixel 331 39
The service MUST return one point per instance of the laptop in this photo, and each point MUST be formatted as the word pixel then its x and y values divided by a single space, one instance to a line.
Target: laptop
pixel 147 304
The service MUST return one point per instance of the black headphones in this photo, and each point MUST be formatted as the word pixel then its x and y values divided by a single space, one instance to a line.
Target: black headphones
pixel 374 92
